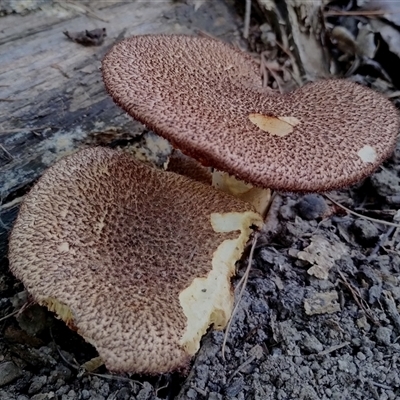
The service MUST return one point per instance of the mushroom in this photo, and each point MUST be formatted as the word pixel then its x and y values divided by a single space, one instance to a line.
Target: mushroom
pixel 136 259
pixel 206 98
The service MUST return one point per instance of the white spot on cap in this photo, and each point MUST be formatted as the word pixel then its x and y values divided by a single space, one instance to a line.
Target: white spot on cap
pixel 367 154
pixel 275 126
pixel 290 120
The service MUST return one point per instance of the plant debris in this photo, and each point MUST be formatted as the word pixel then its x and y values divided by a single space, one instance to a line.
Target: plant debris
pixel 94 37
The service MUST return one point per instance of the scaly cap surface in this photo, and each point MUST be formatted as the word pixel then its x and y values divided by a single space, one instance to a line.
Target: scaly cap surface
pixel 206 98
pixel 137 260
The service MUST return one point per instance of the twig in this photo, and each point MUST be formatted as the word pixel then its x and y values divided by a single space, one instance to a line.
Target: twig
pixel 295 73
pixel 366 13
pixel 277 78
pixel 381 243
pixel 9 315
pixel 65 360
pixel 358 299
pixel 27 304
pixel 333 348
pixel 390 213
pixel 9 155
pixel 242 283
pixel 118 378
pixel 381 385
pixel 264 73
pixel 378 221
pixel 272 222
pixel 17 130
pixel 393 94
pixel 161 388
pixel 247 16
pixel 255 354
pixel 78 367
pixel 244 364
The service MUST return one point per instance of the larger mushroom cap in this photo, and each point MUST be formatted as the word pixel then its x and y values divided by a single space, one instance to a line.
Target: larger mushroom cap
pixel 206 98
pixel 136 259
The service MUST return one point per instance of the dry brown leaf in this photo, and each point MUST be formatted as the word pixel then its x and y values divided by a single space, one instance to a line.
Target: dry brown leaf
pixel 322 254
pixel 322 303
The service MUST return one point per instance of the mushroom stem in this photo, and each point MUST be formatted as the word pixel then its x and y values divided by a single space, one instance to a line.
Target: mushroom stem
pixel 256 196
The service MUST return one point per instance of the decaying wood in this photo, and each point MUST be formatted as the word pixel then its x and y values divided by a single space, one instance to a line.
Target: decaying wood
pixel 55 101
pixel 300 28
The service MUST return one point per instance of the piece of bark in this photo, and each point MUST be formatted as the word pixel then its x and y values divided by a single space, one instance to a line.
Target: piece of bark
pixel 95 37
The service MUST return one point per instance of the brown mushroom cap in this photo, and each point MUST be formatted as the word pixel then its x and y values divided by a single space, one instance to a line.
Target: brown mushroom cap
pixel 136 259
pixel 206 98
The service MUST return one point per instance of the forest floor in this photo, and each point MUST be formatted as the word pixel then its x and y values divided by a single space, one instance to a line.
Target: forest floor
pixel 320 317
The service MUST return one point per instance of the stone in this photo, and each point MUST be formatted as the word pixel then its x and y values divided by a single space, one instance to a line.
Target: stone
pixel 311 206
pixel 9 372
pixel 383 335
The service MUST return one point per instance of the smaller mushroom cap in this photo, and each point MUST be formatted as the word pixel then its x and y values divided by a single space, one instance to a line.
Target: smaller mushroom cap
pixel 206 98
pixel 137 260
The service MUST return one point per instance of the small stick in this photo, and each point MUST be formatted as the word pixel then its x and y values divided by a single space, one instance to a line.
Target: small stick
pixel 7 152
pixel 295 73
pixel 9 315
pixel 247 16
pixel 333 348
pixel 357 298
pixel 17 130
pixel 381 243
pixel 242 283
pixel 117 378
pixel 378 221
pixel 19 311
pixel 381 385
pixel 264 73
pixel 393 94
pixel 161 388
pixel 366 13
pixel 272 72
pixel 74 366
